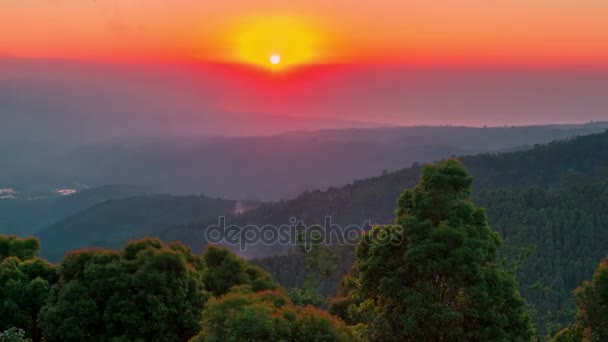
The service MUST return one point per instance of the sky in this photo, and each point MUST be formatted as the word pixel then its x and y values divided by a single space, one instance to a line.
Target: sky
pixel 207 66
pixel 528 32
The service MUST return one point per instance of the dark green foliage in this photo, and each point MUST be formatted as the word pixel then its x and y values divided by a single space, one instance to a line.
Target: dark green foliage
pixel 225 270
pixel 562 237
pixel 148 291
pixel 243 315
pixel 11 246
pixel 321 262
pixel 433 276
pixel 13 335
pixel 552 242
pixel 25 283
pixel 553 233
pixel 591 299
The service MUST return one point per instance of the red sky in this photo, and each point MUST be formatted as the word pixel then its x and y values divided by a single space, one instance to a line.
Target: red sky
pixel 460 62
pixel 529 32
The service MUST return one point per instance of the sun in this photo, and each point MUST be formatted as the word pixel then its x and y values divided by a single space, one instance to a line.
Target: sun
pixel 275 59
pixel 275 43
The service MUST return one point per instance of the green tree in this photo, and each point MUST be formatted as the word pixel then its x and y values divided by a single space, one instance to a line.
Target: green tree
pixel 25 284
pixel 12 246
pixel 591 299
pixel 243 315
pixel 223 270
pixel 148 291
pixel 13 335
pixel 321 262
pixel 434 275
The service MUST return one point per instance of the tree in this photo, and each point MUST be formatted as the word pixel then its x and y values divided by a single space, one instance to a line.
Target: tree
pixel 25 284
pixel 223 270
pixel 321 262
pixel 433 275
pixel 243 315
pixel 148 291
pixel 13 335
pixel 591 299
pixel 12 246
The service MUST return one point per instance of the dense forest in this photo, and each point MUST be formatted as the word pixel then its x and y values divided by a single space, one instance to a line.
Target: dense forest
pixel 553 241
pixel 548 203
pixel 437 272
pixel 553 228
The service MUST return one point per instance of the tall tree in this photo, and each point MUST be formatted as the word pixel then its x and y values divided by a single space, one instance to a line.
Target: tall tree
pixel 433 275
pixel 591 299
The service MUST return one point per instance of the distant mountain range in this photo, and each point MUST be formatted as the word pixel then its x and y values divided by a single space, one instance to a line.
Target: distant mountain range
pixel 261 168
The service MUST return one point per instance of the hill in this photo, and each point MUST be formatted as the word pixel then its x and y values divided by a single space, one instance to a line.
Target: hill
pixel 575 160
pixel 111 223
pixel 24 213
pixel 263 167
pixel 549 203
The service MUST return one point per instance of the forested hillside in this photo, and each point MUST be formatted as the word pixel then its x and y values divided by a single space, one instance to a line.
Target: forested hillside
pixel 111 223
pixel 549 203
pixel 440 247
pixel 152 291
pixel 28 213
pixel 579 160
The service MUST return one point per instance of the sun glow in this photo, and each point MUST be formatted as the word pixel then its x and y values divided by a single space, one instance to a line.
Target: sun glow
pixel 275 59
pixel 282 41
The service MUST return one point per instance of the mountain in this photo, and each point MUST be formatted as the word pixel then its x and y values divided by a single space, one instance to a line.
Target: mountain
pixel 264 167
pixel 23 213
pixel 549 203
pixel 111 223
pixel 573 160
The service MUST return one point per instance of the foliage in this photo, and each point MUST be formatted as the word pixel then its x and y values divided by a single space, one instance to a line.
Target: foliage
pixel 562 231
pixel 549 203
pixel 591 299
pixel 148 291
pixel 243 315
pixel 434 275
pixel 25 283
pixel 225 270
pixel 13 335
pixel 321 262
pixel 11 246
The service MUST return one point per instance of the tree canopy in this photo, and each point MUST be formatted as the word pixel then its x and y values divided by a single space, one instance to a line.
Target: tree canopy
pixel 25 284
pixel 591 323
pixel 434 275
pixel 244 315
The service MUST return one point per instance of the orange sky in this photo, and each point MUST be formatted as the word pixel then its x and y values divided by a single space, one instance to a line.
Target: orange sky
pixel 536 32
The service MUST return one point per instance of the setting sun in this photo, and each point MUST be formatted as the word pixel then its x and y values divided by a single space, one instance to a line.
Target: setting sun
pixel 275 59
pixel 282 41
